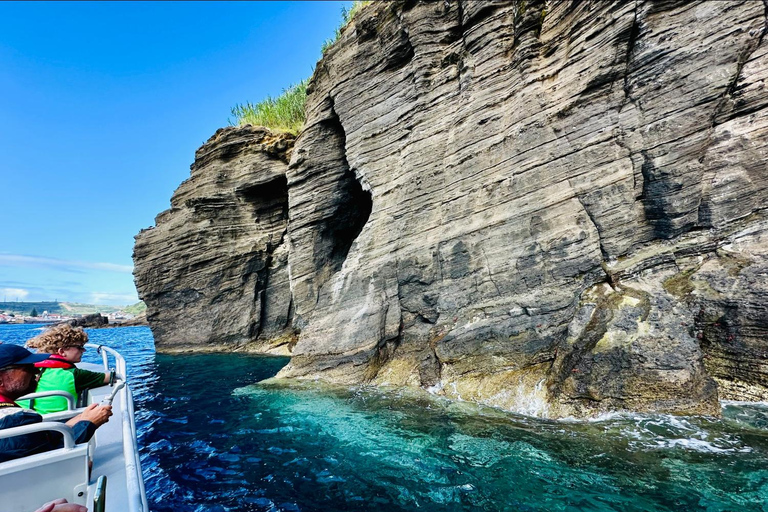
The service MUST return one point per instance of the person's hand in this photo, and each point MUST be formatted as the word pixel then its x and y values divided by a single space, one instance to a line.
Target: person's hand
pixel 61 505
pixel 96 414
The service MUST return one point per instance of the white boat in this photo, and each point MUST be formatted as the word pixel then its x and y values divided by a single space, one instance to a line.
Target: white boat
pixel 114 484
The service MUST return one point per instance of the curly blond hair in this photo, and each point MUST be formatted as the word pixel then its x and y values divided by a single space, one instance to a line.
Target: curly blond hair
pixel 60 336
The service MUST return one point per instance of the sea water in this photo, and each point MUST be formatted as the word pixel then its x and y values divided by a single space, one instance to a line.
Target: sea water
pixel 213 440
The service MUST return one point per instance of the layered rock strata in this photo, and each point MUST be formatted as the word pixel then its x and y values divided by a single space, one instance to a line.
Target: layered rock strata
pixel 551 207
pixel 213 272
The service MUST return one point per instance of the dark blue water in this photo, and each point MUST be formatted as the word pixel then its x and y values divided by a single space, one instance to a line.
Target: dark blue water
pixel 212 441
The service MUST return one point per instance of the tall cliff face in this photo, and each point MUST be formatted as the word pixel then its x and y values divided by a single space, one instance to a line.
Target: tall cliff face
pixel 551 207
pixel 213 272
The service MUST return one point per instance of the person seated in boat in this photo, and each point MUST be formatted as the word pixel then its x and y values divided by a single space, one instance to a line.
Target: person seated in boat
pixel 18 376
pixel 66 346
pixel 61 505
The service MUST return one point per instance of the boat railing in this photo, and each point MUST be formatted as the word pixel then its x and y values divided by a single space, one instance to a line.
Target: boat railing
pixel 134 480
pixel 65 470
pixel 59 473
pixel 105 352
pixel 66 431
pixel 54 392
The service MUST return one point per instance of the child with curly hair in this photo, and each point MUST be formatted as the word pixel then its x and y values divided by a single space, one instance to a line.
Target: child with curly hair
pixel 66 346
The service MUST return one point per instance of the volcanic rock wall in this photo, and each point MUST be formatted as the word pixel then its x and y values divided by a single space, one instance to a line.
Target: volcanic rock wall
pixel 551 207
pixel 213 272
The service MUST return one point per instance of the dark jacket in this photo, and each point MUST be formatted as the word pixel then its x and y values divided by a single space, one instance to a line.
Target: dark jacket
pixel 11 448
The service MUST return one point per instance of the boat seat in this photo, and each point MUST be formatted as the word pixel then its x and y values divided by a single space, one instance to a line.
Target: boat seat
pixel 29 482
pixel 69 413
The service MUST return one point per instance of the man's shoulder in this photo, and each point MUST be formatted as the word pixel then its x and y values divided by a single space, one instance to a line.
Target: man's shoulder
pixel 16 416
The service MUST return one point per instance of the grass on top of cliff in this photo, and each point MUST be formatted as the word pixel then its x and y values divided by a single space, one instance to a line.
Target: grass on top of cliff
pixel 284 113
pixel 346 17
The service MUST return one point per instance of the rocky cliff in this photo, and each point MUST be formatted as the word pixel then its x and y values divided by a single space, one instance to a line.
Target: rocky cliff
pixel 551 207
pixel 214 269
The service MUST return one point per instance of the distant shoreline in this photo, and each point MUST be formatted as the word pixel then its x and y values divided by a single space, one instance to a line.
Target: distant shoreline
pixel 85 315
pixel 49 324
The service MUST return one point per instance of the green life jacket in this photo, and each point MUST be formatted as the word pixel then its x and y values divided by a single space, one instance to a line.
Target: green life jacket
pixel 58 379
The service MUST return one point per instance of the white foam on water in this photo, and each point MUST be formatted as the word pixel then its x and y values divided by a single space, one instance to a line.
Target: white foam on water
pixel 533 403
pixel 667 432
pixel 437 389
pixel 726 403
pixel 603 416
pixel 521 399
pixel 699 445
pixel 652 432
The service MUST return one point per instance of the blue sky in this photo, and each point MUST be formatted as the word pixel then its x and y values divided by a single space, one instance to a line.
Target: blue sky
pixel 102 106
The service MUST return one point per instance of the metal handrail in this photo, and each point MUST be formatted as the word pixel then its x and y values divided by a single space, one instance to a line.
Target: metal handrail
pixel 134 479
pixel 118 385
pixel 66 431
pixel 53 392
pixel 120 366
pixel 62 416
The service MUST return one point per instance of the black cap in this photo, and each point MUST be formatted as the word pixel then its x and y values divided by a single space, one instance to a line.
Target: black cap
pixel 14 354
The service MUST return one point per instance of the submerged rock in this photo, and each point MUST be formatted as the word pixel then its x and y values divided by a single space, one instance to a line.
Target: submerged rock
pixel 551 207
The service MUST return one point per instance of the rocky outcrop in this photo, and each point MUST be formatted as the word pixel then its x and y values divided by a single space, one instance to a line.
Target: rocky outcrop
pixel 551 207
pixel 213 272
pixel 138 320
pixel 95 320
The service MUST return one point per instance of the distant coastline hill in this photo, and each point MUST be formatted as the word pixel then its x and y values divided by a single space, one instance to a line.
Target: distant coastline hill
pixel 66 308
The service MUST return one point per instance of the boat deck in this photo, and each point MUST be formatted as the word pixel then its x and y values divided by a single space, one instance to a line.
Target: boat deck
pixel 111 458
pixel 28 482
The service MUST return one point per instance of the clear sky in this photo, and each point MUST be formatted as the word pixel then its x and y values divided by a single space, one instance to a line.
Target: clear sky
pixel 102 106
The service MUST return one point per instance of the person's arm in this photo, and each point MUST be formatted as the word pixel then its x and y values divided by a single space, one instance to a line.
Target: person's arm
pixel 86 423
pixel 61 505
pixel 27 444
pixel 95 413
pixel 83 425
pixel 85 379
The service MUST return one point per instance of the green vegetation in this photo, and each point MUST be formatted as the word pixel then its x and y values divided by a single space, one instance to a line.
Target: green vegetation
pixel 346 17
pixel 33 312
pixel 23 308
pixel 286 112
pixel 732 261
pixel 136 309
pixel 55 308
pixel 75 308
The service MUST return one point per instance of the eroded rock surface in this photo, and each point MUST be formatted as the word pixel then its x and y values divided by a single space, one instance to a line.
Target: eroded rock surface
pixel 551 207
pixel 213 272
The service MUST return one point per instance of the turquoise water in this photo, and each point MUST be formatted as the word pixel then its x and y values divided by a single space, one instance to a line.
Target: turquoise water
pixel 212 441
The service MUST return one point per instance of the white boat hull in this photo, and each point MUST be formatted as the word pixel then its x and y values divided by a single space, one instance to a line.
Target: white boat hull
pixel 29 482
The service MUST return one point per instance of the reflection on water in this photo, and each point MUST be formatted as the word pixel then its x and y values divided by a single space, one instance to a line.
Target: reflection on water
pixel 212 441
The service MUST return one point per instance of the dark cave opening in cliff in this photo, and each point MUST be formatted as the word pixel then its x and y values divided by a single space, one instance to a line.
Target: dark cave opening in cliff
pixel 352 213
pixel 352 205
pixel 269 200
pixel 349 220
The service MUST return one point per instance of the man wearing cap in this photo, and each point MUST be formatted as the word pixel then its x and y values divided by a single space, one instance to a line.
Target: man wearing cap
pixel 18 377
